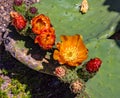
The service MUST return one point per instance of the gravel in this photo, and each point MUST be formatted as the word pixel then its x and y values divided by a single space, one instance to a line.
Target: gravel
pixel 6 6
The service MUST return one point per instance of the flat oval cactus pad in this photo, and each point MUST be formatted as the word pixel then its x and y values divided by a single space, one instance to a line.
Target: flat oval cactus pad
pixel 99 22
pixel 105 83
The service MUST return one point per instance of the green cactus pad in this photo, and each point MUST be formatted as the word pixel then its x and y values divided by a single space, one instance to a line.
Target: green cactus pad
pixel 99 22
pixel 106 82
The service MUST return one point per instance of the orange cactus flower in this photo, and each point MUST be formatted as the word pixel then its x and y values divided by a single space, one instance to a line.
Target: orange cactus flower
pixel 18 20
pixel 60 71
pixel 39 23
pixel 71 50
pixel 46 39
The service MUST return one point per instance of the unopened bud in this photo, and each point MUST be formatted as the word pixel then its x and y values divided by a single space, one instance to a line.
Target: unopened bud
pixel 93 65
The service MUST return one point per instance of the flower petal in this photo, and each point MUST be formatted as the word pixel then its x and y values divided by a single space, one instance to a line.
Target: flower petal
pixel 39 23
pixel 71 50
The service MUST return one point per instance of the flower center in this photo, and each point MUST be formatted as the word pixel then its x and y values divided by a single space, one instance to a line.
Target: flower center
pixel 70 54
pixel 40 23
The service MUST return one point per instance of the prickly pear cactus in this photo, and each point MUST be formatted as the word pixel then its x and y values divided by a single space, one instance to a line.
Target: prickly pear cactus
pixel 67 19
pixel 64 17
pixel 105 83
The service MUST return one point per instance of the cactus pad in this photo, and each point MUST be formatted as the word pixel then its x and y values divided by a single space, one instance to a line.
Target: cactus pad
pixel 105 83
pixel 67 19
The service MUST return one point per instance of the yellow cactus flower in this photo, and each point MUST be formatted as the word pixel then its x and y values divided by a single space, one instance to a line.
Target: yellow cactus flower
pixel 71 50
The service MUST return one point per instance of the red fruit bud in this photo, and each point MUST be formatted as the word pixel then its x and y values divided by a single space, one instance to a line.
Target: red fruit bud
pixel 18 20
pixel 93 65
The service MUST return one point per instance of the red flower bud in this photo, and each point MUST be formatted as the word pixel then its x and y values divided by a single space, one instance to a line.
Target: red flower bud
pixel 18 20
pixel 93 65
pixel 46 39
